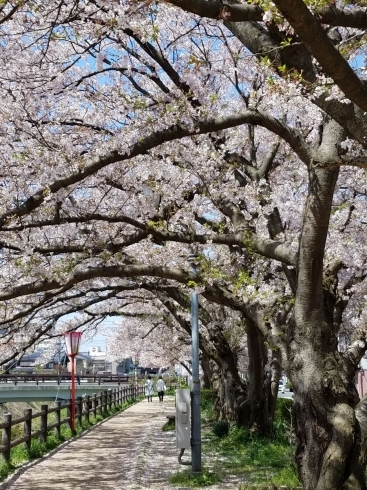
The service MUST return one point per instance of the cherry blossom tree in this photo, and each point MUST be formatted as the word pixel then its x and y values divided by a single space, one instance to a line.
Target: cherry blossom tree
pixel 130 131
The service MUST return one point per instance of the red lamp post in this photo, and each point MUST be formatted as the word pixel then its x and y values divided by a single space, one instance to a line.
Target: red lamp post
pixel 72 341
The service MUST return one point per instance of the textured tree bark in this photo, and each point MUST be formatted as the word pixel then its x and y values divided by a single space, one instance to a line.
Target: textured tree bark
pixel 250 404
pixel 330 454
pixel 227 394
pixel 330 450
pixel 254 412
pixel 207 369
pixel 229 389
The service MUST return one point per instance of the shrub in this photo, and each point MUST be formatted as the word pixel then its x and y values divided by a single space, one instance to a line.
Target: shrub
pixel 283 421
pixel 284 410
pixel 221 428
pixel 168 426
pixel 170 390
pixel 206 399
pixel 289 386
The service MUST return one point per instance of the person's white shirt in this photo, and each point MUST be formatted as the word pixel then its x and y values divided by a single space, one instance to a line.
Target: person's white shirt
pixel 160 385
pixel 149 389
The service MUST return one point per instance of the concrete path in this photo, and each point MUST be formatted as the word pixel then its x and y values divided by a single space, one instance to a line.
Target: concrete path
pixel 127 452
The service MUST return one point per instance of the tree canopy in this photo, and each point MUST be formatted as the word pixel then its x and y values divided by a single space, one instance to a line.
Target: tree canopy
pixel 134 131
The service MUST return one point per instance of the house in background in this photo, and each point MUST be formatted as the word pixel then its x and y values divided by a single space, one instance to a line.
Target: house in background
pixel 32 363
pixel 83 363
pixel 100 364
pixel 58 363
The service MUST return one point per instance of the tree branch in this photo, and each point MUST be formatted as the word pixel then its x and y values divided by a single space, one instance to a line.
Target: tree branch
pixel 333 63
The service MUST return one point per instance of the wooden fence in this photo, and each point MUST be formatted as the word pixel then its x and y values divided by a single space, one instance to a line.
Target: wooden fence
pixel 84 407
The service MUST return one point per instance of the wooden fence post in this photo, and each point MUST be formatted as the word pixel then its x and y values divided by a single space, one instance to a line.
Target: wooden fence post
pixel 86 404
pixel 79 409
pixel 100 402
pixel 6 436
pixel 104 404
pixel 58 419
pixel 94 405
pixel 114 398
pixel 109 399
pixel 43 434
pixel 68 410
pixel 27 428
pixel 113 404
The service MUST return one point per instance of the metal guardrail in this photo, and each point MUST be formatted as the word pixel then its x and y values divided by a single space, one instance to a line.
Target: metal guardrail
pixel 59 378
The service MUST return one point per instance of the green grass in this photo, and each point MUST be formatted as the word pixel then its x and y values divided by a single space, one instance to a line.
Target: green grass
pixel 260 462
pixel 168 426
pixel 185 477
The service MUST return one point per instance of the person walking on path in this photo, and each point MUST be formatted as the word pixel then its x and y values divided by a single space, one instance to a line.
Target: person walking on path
pixel 161 388
pixel 149 389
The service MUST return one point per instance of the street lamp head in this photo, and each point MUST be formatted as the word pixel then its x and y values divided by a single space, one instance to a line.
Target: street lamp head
pixel 72 341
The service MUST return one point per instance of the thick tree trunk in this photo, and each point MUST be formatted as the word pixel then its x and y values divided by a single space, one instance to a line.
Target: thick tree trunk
pixel 228 394
pixel 250 404
pixel 330 450
pixel 228 387
pixel 275 374
pixel 207 370
pixel 330 447
pixel 254 412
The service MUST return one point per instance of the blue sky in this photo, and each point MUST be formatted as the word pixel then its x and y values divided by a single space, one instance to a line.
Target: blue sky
pixel 98 340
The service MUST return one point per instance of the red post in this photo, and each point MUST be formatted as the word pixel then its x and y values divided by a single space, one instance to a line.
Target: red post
pixel 72 341
pixel 72 414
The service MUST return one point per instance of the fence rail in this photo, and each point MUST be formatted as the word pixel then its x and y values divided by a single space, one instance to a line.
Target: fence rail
pixel 84 407
pixel 59 378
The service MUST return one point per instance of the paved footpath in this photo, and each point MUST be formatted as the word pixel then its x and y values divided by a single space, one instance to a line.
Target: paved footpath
pixel 126 452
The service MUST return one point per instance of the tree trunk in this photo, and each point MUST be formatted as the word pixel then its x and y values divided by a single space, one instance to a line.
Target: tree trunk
pixel 207 370
pixel 250 404
pixel 273 387
pixel 330 451
pixel 254 412
pixel 228 394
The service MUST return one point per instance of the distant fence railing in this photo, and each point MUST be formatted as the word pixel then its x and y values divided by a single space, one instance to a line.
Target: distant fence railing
pixel 59 378
pixel 95 404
